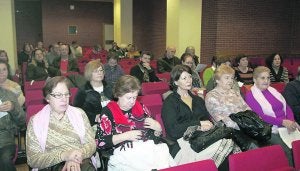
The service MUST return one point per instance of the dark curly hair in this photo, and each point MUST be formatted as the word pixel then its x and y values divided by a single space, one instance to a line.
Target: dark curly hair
pixel 269 59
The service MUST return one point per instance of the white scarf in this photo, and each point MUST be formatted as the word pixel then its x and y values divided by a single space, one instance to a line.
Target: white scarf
pixel 264 103
pixel 41 123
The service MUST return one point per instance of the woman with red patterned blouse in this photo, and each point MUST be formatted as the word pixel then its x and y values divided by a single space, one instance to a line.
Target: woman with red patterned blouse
pixel 126 130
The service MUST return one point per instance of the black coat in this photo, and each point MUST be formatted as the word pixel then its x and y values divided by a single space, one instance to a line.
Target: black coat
pixel 136 71
pixel 177 116
pixel 89 100
pixel 291 94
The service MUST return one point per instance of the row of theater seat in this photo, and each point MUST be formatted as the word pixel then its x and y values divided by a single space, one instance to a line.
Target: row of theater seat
pixel 152 98
pixel 271 158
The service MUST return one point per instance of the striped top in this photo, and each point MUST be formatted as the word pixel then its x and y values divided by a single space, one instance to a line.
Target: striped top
pixel 280 74
pixel 244 77
pixel 61 137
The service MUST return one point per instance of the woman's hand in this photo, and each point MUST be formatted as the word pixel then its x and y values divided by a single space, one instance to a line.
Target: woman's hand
pixel 71 166
pixel 133 135
pixel 206 125
pixel 152 124
pixel 290 125
pixel 6 106
pixel 72 155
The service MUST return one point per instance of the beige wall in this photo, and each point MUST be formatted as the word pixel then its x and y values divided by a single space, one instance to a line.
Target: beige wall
pixel 123 21
pixel 188 33
pixel 8 31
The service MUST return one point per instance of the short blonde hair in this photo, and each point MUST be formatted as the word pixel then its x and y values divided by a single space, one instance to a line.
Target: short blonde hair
pixel 90 67
pixel 260 70
pixel 221 70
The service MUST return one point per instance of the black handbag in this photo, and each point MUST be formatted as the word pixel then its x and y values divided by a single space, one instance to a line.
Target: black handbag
pixel 200 140
pixel 252 125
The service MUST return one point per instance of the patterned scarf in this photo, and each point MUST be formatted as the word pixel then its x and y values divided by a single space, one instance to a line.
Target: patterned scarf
pixel 145 72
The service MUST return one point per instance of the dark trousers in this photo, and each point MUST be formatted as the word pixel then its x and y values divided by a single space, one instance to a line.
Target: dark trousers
pixel 275 139
pixel 7 154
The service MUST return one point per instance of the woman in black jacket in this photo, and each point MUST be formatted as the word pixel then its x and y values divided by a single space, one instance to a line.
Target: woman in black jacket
pixel 96 93
pixel 183 111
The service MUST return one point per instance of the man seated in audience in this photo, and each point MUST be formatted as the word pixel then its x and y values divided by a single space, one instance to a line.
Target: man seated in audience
pixel 166 63
pixel 143 71
pixel 76 50
pixel 64 64
pixel 113 70
pixel 53 53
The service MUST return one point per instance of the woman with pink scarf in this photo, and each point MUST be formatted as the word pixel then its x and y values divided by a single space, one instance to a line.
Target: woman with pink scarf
pixel 59 137
pixel 271 106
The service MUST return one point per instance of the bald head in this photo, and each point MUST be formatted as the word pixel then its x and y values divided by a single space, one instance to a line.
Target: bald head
pixel 190 50
pixel 170 51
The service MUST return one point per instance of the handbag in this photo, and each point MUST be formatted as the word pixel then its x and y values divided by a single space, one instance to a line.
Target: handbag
pixel 199 140
pixel 252 125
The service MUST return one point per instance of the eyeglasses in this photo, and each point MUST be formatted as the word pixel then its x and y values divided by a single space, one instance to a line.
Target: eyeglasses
pixel 98 70
pixel 60 95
